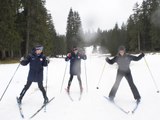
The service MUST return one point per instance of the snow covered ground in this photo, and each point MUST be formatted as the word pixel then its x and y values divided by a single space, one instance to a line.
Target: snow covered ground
pixel 92 106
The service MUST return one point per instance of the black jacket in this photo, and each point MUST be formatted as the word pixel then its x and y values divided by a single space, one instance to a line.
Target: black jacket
pixel 36 66
pixel 75 62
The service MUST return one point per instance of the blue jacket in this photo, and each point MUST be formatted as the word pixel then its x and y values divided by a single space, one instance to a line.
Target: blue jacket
pixel 75 62
pixel 36 66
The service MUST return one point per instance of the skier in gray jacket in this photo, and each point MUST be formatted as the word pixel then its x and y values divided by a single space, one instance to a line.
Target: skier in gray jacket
pixel 123 60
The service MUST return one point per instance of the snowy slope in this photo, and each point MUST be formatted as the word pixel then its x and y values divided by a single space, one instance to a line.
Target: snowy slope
pixel 92 106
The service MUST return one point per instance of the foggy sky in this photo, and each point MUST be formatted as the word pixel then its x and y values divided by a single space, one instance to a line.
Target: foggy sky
pixel 94 14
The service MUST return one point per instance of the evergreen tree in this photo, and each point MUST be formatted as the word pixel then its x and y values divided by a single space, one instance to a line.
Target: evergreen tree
pixel 74 30
pixel 37 24
pixel 10 39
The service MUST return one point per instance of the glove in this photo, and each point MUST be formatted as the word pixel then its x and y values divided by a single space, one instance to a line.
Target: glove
pixel 142 54
pixel 107 59
pixel 82 53
pixel 22 58
pixel 47 58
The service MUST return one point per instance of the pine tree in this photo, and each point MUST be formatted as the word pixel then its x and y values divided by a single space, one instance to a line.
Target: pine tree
pixel 37 24
pixel 74 30
pixel 10 39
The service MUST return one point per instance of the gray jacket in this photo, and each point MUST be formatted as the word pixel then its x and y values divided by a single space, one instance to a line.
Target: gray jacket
pixel 124 61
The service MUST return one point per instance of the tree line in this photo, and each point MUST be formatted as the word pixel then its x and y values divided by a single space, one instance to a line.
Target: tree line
pixel 25 23
pixel 140 33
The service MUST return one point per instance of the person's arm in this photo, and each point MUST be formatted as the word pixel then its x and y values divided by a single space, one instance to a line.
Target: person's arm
pixel 25 61
pixel 83 56
pixel 111 61
pixel 136 58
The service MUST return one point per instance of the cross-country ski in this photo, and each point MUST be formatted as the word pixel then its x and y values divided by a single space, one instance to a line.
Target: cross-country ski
pixel 135 107
pixel 20 107
pixel 116 105
pixel 69 95
pixel 41 108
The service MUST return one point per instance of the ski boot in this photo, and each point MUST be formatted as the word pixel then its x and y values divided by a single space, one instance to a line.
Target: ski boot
pixel 19 100
pixel 45 100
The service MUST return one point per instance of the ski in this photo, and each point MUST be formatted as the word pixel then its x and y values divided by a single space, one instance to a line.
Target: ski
pixel 135 107
pixel 41 108
pixel 20 108
pixel 116 105
pixel 80 97
pixel 70 97
pixel 81 93
pixel 68 93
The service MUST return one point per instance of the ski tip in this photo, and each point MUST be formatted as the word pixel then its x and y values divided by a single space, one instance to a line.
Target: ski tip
pixel 23 116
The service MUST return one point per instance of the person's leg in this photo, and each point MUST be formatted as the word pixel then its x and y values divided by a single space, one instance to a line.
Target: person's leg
pixel 24 90
pixel 40 85
pixel 116 85
pixel 80 82
pixel 134 89
pixel 69 82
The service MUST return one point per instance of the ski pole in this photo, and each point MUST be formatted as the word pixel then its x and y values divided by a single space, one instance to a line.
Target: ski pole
pixel 101 76
pixel 64 76
pixel 152 76
pixel 46 84
pixel 46 77
pixel 86 76
pixel 10 81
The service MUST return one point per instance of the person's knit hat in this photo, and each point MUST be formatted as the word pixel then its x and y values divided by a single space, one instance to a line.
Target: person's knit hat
pixel 122 48
pixel 39 47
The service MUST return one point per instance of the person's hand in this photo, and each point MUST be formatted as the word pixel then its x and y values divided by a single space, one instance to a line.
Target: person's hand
pixel 107 59
pixel 142 54
pixel 82 53
pixel 47 58
pixel 69 55
pixel 22 58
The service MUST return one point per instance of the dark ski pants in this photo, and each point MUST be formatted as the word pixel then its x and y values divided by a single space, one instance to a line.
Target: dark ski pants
pixel 70 81
pixel 27 86
pixel 129 78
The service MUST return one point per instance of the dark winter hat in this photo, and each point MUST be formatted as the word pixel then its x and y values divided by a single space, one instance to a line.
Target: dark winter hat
pixel 39 47
pixel 121 48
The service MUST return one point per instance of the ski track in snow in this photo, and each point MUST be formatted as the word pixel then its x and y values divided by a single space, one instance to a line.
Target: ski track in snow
pixel 92 106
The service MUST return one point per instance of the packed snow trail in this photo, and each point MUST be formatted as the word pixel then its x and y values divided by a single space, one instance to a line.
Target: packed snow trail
pixel 92 106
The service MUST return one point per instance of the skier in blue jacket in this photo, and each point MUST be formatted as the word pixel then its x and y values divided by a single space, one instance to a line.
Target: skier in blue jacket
pixel 75 66
pixel 123 60
pixel 36 61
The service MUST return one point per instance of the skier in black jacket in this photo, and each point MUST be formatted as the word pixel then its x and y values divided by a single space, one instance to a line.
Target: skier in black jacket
pixel 75 66
pixel 37 61
pixel 123 60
